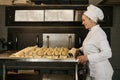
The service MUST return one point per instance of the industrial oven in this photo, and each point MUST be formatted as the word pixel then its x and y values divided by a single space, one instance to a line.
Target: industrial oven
pixel 20 38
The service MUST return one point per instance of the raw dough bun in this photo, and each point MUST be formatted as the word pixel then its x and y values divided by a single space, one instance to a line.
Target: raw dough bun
pixel 58 49
pixel 65 49
pixel 64 53
pixel 40 53
pixel 56 53
pixel 49 53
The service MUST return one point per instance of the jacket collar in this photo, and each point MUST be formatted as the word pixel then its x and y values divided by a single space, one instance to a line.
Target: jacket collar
pixel 94 27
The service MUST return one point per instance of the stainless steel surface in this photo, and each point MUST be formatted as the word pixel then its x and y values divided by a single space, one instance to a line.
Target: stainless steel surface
pixel 38 59
pixel 76 72
pixel 35 63
pixel 26 64
pixel 48 60
pixel 58 40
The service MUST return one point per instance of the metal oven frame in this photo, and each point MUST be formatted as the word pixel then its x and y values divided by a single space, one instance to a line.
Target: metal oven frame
pixel 11 63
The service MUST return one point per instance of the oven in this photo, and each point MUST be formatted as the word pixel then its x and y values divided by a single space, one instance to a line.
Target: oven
pixel 19 38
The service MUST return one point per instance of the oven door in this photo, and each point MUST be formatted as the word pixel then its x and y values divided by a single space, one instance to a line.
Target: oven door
pixel 58 40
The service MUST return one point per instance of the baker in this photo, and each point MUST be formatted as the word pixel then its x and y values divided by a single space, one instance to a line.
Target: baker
pixel 95 46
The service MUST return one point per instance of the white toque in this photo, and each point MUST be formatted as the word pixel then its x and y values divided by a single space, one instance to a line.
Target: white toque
pixel 94 13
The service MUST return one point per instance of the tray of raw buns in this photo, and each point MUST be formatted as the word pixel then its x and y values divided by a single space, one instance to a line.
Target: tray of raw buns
pixel 43 53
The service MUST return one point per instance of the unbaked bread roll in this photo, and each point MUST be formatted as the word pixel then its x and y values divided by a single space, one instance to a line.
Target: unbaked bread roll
pixel 49 53
pixel 51 49
pixel 29 49
pixel 44 49
pixel 40 53
pixel 30 53
pixel 38 49
pixel 58 49
pixel 56 53
pixel 64 53
pixel 20 54
pixel 25 52
pixel 65 49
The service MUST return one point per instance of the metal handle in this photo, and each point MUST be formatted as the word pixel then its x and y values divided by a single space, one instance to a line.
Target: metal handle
pixel 37 40
pixel 47 41
pixel 16 42
pixel 70 42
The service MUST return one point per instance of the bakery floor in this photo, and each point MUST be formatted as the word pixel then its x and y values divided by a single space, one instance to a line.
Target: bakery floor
pixel 34 75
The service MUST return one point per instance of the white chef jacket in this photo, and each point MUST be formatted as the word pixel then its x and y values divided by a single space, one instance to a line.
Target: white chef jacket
pixel 98 51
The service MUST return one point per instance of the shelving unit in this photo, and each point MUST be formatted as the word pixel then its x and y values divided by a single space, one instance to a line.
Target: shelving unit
pixel 78 10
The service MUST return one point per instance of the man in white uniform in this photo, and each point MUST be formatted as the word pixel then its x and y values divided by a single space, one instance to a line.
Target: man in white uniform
pixel 95 47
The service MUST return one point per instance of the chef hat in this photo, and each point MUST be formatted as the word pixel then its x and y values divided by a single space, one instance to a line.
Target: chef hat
pixel 94 13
